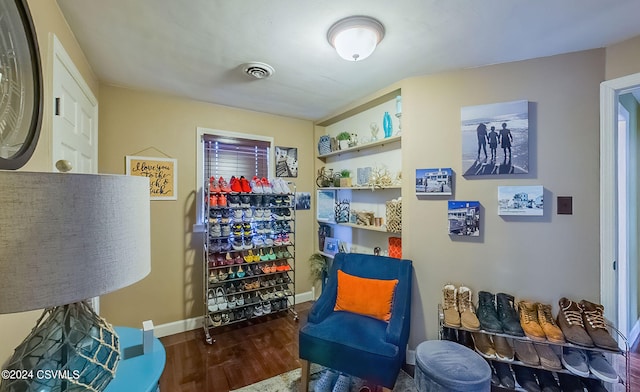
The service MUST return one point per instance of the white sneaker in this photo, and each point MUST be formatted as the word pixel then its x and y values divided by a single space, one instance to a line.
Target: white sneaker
pixel 275 184
pixel 285 187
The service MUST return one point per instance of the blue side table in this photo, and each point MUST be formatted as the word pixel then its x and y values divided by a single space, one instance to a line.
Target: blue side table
pixel 140 373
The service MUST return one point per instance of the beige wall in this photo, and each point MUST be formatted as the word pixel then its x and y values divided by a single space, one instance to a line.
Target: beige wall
pixel 48 20
pixel 139 123
pixel 623 58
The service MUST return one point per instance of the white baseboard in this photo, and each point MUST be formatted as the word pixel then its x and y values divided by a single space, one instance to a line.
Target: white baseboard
pixel 634 333
pixel 411 357
pixel 180 326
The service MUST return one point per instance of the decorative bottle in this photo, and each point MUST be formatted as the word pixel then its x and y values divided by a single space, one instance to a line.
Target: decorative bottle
pixel 387 126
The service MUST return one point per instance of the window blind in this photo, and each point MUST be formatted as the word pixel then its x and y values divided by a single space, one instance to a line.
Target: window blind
pixel 230 156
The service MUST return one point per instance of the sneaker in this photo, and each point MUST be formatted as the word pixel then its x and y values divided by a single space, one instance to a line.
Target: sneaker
pixel 570 383
pixel 257 241
pixel 595 325
pixel 213 201
pixel 593 385
pixel 275 185
pixel 244 185
pixel 235 185
pixel 214 187
pixel 508 315
pixel 256 185
pixel 571 324
pixel 484 345
pixel 326 381
pixel 233 201
pixel 222 200
pixel 237 244
pixel 266 186
pixel 552 332
pixel 526 353
pixel 529 321
pixel 255 200
pixel 224 185
pixel 504 351
pixel 487 314
pixel 526 378
pixel 546 380
pixel 285 187
pixel 505 376
pixel 225 230
pixel 450 306
pixel 468 318
pixel 237 215
pixel 342 384
pixel 215 231
pixel 245 201
pixel 248 213
pixel 548 358
pixel 576 361
pixel 601 368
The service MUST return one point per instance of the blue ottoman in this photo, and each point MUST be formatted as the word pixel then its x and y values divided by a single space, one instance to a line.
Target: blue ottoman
pixel 445 366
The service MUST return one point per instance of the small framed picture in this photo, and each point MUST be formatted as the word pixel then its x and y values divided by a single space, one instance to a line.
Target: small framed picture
pixel 464 218
pixel 286 161
pixel 521 200
pixel 331 246
pixel 325 205
pixel 434 181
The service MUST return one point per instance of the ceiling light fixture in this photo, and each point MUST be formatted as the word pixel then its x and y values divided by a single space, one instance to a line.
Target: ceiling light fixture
pixel 355 37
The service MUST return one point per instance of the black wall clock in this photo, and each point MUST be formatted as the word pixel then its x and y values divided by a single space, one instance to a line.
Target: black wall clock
pixel 20 85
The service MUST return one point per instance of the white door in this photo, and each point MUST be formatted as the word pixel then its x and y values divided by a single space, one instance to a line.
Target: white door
pixel 75 116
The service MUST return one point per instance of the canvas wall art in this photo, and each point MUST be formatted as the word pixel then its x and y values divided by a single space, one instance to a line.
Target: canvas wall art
pixel 286 162
pixel 464 218
pixel 521 200
pixel 495 138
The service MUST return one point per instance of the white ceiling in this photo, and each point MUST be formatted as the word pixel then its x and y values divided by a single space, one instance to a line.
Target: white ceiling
pixel 194 48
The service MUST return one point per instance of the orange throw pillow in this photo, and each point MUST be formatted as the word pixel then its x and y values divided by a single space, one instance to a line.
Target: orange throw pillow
pixel 369 297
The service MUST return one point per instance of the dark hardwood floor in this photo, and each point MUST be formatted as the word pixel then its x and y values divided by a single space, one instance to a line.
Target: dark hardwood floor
pixel 253 351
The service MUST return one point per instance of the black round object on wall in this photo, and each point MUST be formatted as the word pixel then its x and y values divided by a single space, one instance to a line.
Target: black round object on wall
pixel 21 96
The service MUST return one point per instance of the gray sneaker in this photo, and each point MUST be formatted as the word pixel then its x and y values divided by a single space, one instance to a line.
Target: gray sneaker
pixel 601 368
pixel 326 381
pixel 576 361
pixel 526 353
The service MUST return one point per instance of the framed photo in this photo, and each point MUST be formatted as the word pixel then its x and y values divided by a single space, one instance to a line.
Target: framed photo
pixel 521 200
pixel 434 181
pixel 495 138
pixel 331 246
pixel 286 162
pixel 303 201
pixel 325 205
pixel 464 218
pixel 162 174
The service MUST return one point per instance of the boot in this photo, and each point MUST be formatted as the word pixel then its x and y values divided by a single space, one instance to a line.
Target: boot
pixel 570 322
pixel 526 378
pixel 551 330
pixel 503 371
pixel 529 321
pixel 450 306
pixel 547 382
pixel 508 315
pixel 449 334
pixel 487 314
pixel 468 318
pixel 593 318
pixel 464 338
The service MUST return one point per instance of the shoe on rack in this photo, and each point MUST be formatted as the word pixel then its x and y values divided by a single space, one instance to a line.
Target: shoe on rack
pixel 244 185
pixel 526 353
pixel 552 332
pixel 504 351
pixel 343 384
pixel 465 339
pixel 326 381
pixel 546 381
pixel 468 318
pixel 256 185
pixel 593 385
pixel 529 321
pixel 487 314
pixel 285 187
pixel 505 376
pixel 571 323
pixel 449 334
pixel 214 187
pixel 526 378
pixel 601 368
pixel 570 383
pixel 484 345
pixel 235 185
pixel 576 361
pixel 548 358
pixel 275 185
pixel 450 306
pixel 266 186
pixel 508 315
pixel 224 185
pixel 222 200
pixel 596 326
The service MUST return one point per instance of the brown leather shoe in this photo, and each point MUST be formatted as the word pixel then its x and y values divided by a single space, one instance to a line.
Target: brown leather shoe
pixel 529 321
pixel 525 352
pixel 504 351
pixel 570 322
pixel 548 358
pixel 450 306
pixel 484 345
pixel 594 323
pixel 468 318
pixel 551 330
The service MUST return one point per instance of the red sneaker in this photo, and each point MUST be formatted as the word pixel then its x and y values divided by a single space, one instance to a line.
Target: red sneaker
pixel 222 200
pixel 213 201
pixel 266 187
pixel 235 185
pixel 224 185
pixel 213 186
pixel 244 184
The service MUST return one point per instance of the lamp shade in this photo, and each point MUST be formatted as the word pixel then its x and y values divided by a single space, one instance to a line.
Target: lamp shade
pixel 68 237
pixel 356 37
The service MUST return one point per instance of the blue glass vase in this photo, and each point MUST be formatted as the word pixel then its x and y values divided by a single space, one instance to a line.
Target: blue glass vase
pixel 387 126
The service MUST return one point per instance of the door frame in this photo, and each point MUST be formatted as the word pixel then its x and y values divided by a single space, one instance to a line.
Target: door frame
pixel 610 90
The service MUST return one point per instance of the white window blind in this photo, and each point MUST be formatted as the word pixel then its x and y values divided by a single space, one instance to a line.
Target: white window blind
pixel 231 156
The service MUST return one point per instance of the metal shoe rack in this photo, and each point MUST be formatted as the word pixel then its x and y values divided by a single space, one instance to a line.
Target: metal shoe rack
pixel 249 271
pixel 612 356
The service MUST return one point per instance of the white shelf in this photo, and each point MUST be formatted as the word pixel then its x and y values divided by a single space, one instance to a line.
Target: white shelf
pixel 361 147
pixel 381 229
pixel 360 188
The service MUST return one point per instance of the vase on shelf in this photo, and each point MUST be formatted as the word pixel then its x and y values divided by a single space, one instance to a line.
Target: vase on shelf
pixel 374 131
pixel 387 126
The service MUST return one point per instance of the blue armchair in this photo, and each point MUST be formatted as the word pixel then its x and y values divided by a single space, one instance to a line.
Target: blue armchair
pixel 354 344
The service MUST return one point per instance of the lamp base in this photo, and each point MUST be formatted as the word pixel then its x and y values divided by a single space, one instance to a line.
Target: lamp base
pixel 71 348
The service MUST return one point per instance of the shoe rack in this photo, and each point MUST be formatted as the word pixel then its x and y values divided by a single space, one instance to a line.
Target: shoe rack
pixel 612 355
pixel 249 257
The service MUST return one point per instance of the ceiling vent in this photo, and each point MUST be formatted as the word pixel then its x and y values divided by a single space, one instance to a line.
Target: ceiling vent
pixel 258 70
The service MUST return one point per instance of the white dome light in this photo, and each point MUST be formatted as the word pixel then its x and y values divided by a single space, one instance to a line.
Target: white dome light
pixel 355 37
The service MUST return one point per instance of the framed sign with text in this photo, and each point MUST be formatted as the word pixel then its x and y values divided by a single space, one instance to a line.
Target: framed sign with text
pixel 162 174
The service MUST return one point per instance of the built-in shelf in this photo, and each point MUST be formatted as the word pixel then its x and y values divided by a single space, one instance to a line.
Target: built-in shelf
pixel 381 142
pixel 360 188
pixel 382 229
